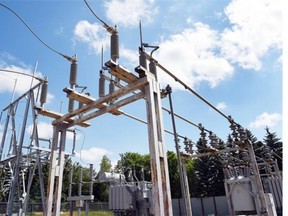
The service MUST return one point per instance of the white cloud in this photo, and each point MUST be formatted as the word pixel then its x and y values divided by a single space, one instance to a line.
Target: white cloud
pixel 131 56
pixel 256 27
pixel 129 12
pixel 14 82
pixel 10 82
pixel 92 155
pixel 92 34
pixel 221 106
pixel 266 119
pixel 45 130
pixel 199 54
pixel 192 56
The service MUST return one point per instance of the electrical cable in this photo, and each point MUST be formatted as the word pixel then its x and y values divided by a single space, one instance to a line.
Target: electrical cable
pixel 21 73
pixel 80 154
pixel 186 86
pixel 164 108
pixel 71 59
pixel 144 122
pixel 105 25
pixel 184 119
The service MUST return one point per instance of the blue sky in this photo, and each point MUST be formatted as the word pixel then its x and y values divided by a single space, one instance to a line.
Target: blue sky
pixel 230 52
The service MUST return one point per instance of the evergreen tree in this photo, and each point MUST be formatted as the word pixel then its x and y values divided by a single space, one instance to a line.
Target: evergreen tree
pixel 105 164
pixel 209 175
pixel 174 176
pixel 275 146
pixel 251 136
pixel 258 146
pixel 101 190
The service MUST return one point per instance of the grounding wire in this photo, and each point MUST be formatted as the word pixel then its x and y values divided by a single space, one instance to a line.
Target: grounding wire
pixel 186 86
pixel 72 59
pixel 84 140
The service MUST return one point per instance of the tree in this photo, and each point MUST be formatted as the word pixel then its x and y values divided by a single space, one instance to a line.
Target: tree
pixel 209 175
pixel 258 146
pixel 134 165
pixel 174 175
pixel 275 146
pixel 101 190
pixel 35 192
pixel 105 164
pixel 190 166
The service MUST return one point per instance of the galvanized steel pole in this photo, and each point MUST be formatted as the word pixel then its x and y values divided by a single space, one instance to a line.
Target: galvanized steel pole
pixel 183 179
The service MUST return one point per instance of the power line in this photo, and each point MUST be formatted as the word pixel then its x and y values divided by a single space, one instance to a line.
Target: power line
pixel 186 86
pixel 25 74
pixel 163 108
pixel 71 59
pixel 105 25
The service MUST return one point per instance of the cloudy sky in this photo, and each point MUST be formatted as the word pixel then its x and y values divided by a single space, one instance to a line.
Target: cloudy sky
pixel 230 52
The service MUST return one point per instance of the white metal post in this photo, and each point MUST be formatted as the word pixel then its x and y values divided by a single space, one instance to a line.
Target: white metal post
pixel 158 159
pixel 54 187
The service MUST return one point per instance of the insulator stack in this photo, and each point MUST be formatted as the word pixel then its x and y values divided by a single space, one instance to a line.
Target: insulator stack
pixel 213 140
pixel 267 156
pixel 111 87
pixel 70 182
pixel 188 145
pixel 114 46
pixel 153 68
pixel 80 105
pixel 242 133
pixel 234 133
pixel 91 179
pixel 142 60
pixel 73 74
pixel 245 157
pixel 73 83
pixel 101 85
pixel 203 136
pixel 80 181
pixel 71 105
pixel 44 92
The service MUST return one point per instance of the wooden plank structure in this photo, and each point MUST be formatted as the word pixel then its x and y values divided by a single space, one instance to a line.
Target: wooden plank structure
pixel 145 87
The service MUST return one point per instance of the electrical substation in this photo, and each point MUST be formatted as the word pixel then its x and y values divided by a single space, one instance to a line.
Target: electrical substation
pixel 247 191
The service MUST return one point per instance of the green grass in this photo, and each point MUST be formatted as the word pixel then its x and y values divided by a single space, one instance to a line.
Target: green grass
pixel 91 213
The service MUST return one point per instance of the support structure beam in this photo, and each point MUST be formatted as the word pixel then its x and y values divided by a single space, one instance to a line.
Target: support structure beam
pixel 161 194
pixel 95 104
pixel 54 187
pixel 148 88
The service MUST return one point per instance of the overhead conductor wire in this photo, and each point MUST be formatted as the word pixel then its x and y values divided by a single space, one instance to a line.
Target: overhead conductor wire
pixel 186 86
pixel 105 25
pixel 111 30
pixel 71 59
